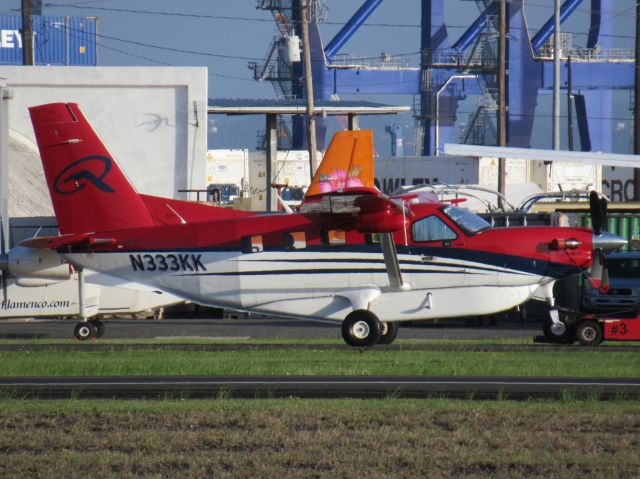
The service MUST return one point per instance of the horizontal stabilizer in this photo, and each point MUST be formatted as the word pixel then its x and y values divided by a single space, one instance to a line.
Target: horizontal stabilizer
pixel 66 241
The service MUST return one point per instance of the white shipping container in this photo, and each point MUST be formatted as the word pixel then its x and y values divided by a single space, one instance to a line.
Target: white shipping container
pixel 291 168
pixel 523 177
pixel 227 166
pixel 394 172
pixel 228 170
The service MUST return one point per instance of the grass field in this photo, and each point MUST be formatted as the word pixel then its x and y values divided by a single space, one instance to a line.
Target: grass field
pixel 285 361
pixel 313 438
pixel 319 438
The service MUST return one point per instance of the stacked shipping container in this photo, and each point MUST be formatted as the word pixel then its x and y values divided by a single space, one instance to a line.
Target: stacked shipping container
pixel 57 40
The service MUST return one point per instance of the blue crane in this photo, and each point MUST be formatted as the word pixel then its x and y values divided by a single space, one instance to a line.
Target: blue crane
pixel 453 68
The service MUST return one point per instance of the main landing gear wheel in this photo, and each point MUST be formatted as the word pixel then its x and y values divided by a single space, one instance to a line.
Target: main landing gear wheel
pixel 85 330
pixel 99 327
pixel 589 333
pixel 361 328
pixel 388 333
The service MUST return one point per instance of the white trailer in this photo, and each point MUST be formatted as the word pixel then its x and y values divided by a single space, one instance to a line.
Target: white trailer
pixel 60 299
pixel 227 175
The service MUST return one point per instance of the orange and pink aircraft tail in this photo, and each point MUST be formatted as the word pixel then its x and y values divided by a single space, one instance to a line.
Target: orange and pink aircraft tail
pixel 347 164
pixel 88 190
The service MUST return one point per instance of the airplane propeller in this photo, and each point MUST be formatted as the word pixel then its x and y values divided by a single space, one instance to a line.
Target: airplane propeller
pixel 602 239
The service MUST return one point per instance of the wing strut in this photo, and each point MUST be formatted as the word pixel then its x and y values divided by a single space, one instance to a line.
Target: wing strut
pixel 391 261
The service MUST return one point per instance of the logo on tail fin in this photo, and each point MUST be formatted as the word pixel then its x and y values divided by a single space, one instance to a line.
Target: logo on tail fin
pixel 73 179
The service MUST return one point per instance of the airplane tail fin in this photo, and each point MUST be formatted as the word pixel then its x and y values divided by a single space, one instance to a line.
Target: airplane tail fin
pixel 89 191
pixel 347 164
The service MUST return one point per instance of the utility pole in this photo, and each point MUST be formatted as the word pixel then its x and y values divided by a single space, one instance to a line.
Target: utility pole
pixel 569 105
pixel 636 108
pixel 556 78
pixel 502 94
pixel 27 34
pixel 311 119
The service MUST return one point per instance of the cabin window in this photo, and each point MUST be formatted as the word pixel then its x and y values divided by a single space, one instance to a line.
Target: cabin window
pixel 432 228
pixel 334 237
pixel 295 240
pixel 469 222
pixel 252 244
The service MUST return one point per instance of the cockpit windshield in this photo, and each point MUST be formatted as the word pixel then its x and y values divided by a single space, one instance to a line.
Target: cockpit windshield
pixel 468 222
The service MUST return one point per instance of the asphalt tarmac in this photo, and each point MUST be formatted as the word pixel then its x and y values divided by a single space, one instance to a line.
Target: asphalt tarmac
pixel 252 328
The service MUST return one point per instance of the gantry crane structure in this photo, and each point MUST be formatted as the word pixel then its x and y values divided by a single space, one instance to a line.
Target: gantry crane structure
pixel 451 69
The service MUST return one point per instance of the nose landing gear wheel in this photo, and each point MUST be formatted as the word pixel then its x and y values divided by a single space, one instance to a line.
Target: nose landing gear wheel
pixel 85 330
pixel 361 328
pixel 564 335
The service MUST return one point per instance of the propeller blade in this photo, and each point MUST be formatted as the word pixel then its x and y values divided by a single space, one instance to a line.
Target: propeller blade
pixel 604 217
pixel 604 282
pixel 597 266
pixel 599 271
pixel 595 208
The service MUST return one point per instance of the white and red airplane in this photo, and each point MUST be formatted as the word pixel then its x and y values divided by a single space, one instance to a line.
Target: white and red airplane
pixel 350 254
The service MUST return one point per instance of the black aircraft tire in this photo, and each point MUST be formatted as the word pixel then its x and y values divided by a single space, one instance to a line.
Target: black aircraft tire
pixel 567 337
pixel 546 329
pixel 390 331
pixel 85 330
pixel 99 325
pixel 361 328
pixel 589 333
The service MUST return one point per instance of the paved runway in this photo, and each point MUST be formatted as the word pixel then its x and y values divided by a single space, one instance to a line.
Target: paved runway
pixel 307 386
pixel 95 346
pixel 321 387
pixel 251 329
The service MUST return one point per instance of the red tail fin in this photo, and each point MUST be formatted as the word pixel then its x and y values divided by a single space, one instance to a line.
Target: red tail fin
pixel 88 190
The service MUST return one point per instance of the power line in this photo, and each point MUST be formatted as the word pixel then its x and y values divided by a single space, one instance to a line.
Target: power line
pixel 153 60
pixel 177 50
pixel 161 13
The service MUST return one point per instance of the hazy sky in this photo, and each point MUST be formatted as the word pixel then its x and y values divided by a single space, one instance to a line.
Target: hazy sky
pixel 226 35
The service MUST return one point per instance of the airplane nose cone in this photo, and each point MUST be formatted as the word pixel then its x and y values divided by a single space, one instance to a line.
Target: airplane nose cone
pixel 608 241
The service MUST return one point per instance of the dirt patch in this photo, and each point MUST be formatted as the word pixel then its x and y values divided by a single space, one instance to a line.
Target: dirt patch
pixel 391 438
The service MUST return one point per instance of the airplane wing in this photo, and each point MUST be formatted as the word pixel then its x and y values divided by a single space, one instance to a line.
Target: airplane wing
pixel 342 195
pixel 364 211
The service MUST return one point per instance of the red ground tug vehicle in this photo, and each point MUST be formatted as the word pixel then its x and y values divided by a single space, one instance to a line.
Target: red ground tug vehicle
pixel 591 330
